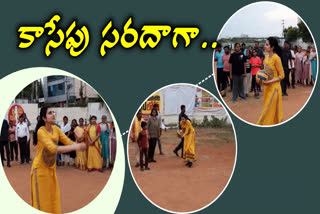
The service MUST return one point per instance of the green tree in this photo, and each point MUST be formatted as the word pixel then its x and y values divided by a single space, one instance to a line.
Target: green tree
pixel 291 33
pixel 304 32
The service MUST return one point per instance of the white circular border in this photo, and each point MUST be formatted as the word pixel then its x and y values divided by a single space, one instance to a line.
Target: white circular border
pixel 214 77
pixel 113 188
pixel 236 152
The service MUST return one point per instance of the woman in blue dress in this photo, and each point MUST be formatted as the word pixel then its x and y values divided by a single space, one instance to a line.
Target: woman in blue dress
pixel 104 138
pixel 313 59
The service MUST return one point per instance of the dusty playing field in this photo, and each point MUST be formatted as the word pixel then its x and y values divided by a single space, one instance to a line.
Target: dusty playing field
pixel 77 188
pixel 173 186
pixel 250 109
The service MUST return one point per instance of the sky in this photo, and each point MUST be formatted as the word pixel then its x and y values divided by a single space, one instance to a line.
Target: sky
pixel 259 20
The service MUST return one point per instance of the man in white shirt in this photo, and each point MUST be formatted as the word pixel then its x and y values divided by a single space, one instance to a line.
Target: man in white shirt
pixel 65 128
pixel 22 137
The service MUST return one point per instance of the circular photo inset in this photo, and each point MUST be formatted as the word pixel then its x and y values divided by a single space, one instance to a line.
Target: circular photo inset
pixel 58 144
pixel 265 64
pixel 182 148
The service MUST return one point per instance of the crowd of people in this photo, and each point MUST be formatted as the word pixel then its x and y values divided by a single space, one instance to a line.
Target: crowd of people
pixel 100 139
pixel 237 68
pixel 146 135
pixel 13 136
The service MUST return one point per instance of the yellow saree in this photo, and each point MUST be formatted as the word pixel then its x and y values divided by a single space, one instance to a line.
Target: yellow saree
pixel 81 158
pixel 94 150
pixel 189 141
pixel 272 100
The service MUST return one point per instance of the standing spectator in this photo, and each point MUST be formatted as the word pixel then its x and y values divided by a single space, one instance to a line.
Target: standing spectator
pixel 104 138
pixel 113 145
pixel 313 58
pixel 156 107
pixel 259 51
pixel 292 69
pixel 143 146
pixel 243 49
pixel 246 79
pixel 226 69
pixel 255 63
pixel 22 136
pixel 81 156
pixel 35 134
pixel 65 128
pixel 299 65
pixel 306 68
pixel 238 71
pixel 72 136
pixel 26 120
pixel 285 60
pixel 218 58
pixel 154 126
pixel 4 142
pixel 94 149
pixel 12 140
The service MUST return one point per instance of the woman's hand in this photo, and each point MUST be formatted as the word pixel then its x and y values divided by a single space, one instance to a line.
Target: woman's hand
pixel 271 81
pixel 82 146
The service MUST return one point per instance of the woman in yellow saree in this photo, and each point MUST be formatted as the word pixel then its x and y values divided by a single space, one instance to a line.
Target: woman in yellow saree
pixel 81 137
pixel 94 146
pixel 44 185
pixel 189 136
pixel 272 101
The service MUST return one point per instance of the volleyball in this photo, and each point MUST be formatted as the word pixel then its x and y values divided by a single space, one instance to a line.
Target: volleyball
pixel 261 77
pixel 179 133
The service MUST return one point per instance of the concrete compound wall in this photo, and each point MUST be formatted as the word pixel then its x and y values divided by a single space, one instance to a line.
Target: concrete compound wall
pixel 198 116
pixel 97 109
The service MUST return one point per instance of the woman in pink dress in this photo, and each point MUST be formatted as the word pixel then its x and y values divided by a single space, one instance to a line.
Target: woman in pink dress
pixel 306 68
pixel 299 65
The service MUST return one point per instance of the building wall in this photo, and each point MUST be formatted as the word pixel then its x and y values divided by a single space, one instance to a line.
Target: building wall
pixel 97 109
pixel 87 90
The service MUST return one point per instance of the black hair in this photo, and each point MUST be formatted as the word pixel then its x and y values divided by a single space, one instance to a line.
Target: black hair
pixel 75 121
pixel 184 116
pixel 243 44
pixel 155 105
pixel 274 43
pixel 43 113
pixel 218 45
pixel 143 124
pixel 287 43
pixel 182 107
pixel 235 44
pixel 227 46
pixel 155 111
pixel 65 117
pixel 81 119
pixel 92 117
pixel 21 116
pixel 139 112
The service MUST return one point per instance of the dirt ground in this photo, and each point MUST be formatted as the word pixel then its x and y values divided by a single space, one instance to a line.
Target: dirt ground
pixel 173 186
pixel 250 109
pixel 77 188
